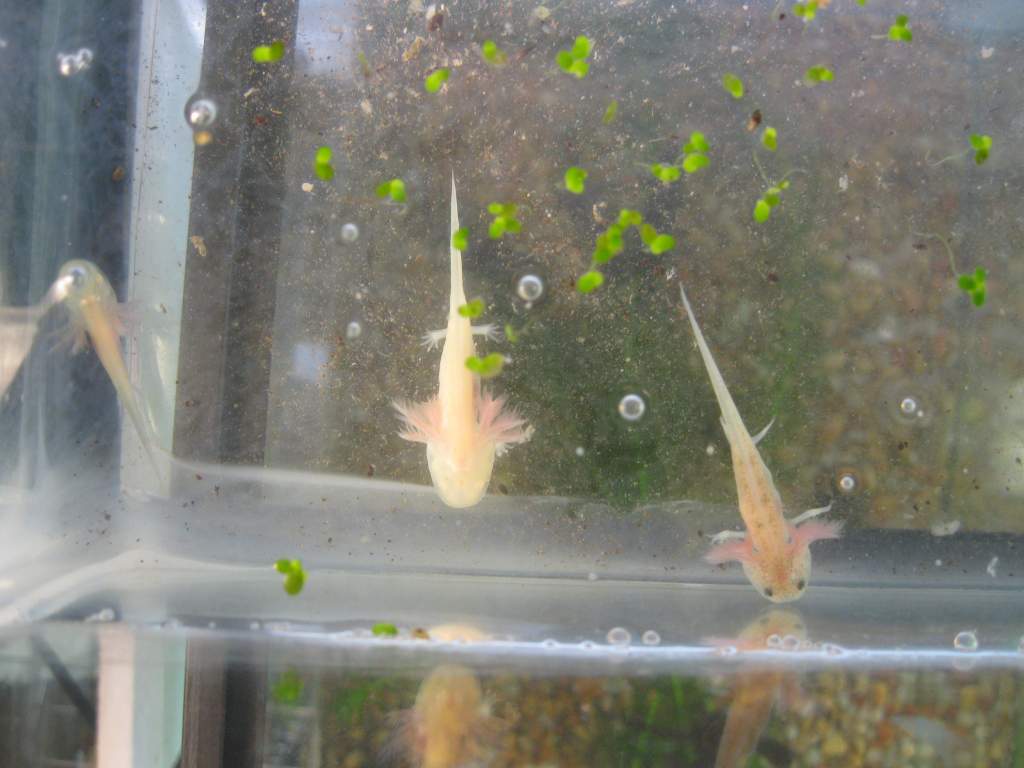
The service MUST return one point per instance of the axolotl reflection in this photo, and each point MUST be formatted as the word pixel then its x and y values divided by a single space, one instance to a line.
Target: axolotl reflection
pixel 464 426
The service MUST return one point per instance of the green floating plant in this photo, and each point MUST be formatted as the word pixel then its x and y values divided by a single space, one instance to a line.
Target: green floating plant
pixel 770 138
pixel 666 174
pixel 573 61
pixel 268 54
pixel 610 112
pixel 294 576
pixel 733 85
pixel 324 169
pixel 492 53
pixel 288 688
pixel 486 367
pixel 504 220
pixel 771 198
pixel 395 189
pixel 384 629
pixel 819 74
pixel 589 281
pixel 434 81
pixel 974 286
pixel 899 31
pixel 574 178
pixel 657 243
pixel 511 334
pixel 475 308
pixel 695 152
pixel 806 11
pixel 460 240
pixel 981 144
pixel 862 2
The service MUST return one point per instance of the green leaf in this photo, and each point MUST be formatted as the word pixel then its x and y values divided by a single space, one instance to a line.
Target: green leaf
pixel 492 53
pixel 771 196
pixel 784 184
pixel 324 172
pixel 497 228
pixel 980 274
pixel 614 238
pixel 610 112
pixel 697 143
pixel 283 566
pixel 268 54
pixel 770 138
pixel 512 225
pixel 495 209
pixel 733 85
pixel 628 218
pixel 511 334
pixel 862 2
pixel 460 239
pixel 582 47
pixel 981 156
pixel 900 34
pixel 486 367
pixel 981 141
pixel 806 11
pixel 323 156
pixel 574 178
pixel 589 281
pixel 665 173
pixel 564 60
pixel 662 243
pixel 694 162
pixel 966 282
pixel 397 190
pixel 647 234
pixel 819 74
pixel 288 688
pixel 294 581
pixel 978 297
pixel 475 308
pixel 384 629
pixel 762 211
pixel 579 68
pixel 901 20
pixel 435 80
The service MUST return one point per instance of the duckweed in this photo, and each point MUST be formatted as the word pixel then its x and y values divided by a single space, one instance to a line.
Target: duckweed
pixel 384 629
pixel 486 367
pixel 573 61
pixel 589 281
pixel 322 164
pixel 695 152
pixel 504 220
pixel 492 53
pixel 818 74
pixel 460 240
pixel 806 11
pixel 434 81
pixel 733 85
pixel 475 308
pixel 574 178
pixel 981 144
pixel 666 174
pixel 395 189
pixel 294 576
pixel 610 113
pixel 268 54
pixel 899 31
pixel 974 286
pixel 771 198
pixel 770 138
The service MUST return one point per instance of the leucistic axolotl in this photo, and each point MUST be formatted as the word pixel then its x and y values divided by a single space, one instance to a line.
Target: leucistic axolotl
pixel 450 724
pixel 464 426
pixel 774 552
pixel 96 316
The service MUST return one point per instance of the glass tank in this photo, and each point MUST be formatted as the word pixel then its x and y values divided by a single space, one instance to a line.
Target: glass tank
pixel 590 383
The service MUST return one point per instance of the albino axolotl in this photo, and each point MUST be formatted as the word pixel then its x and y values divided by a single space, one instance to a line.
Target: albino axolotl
pixel 774 552
pixel 755 692
pixel 95 315
pixel 464 426
pixel 449 725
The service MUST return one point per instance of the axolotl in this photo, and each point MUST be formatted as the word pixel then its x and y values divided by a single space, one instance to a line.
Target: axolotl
pixel 95 315
pixel 774 552
pixel 464 426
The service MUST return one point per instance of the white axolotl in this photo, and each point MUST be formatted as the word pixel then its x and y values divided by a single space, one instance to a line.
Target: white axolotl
pixel 464 426
pixel 774 552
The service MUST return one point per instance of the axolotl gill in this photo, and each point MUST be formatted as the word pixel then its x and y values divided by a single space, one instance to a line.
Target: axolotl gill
pixel 774 552
pixel 464 426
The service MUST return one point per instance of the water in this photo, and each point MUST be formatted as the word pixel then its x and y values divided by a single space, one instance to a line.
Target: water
pixel 275 314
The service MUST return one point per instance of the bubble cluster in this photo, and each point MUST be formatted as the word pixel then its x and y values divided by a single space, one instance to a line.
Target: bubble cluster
pixel 966 641
pixel 353 330
pixel 650 637
pixel 790 643
pixel 530 288
pixel 69 64
pixel 632 407
pixel 618 636
pixel 773 641
pixel 350 233
pixel 847 483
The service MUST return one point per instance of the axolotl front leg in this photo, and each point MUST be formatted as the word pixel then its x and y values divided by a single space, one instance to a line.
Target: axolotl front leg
pixel 432 339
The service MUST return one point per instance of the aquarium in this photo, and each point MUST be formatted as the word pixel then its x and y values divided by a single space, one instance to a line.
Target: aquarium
pixel 396 383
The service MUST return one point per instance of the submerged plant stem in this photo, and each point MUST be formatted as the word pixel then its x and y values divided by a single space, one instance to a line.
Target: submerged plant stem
pixel 946 245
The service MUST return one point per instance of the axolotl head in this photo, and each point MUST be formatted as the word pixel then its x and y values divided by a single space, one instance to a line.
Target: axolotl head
pixel 79 279
pixel 782 573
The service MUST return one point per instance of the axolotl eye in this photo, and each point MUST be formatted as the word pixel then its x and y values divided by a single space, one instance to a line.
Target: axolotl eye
pixel 801 584
pixel 768 592
pixel 78 276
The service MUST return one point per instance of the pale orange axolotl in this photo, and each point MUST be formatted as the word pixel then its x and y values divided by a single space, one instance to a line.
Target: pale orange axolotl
pixel 95 315
pixel 774 552
pixel 464 427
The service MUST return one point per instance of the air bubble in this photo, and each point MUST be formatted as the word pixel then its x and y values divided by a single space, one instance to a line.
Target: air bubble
pixel 350 233
pixel 580 451
pixel 726 650
pixel 549 643
pixel 650 637
pixel 69 64
pixel 790 643
pixel 202 113
pixel 966 641
pixel 104 614
pixel 908 406
pixel 353 330
pixel 591 576
pixel 831 649
pixel 619 637
pixel 847 483
pixel 530 288
pixel 254 626
pixel 632 407
pixel 773 641
pixel 587 645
